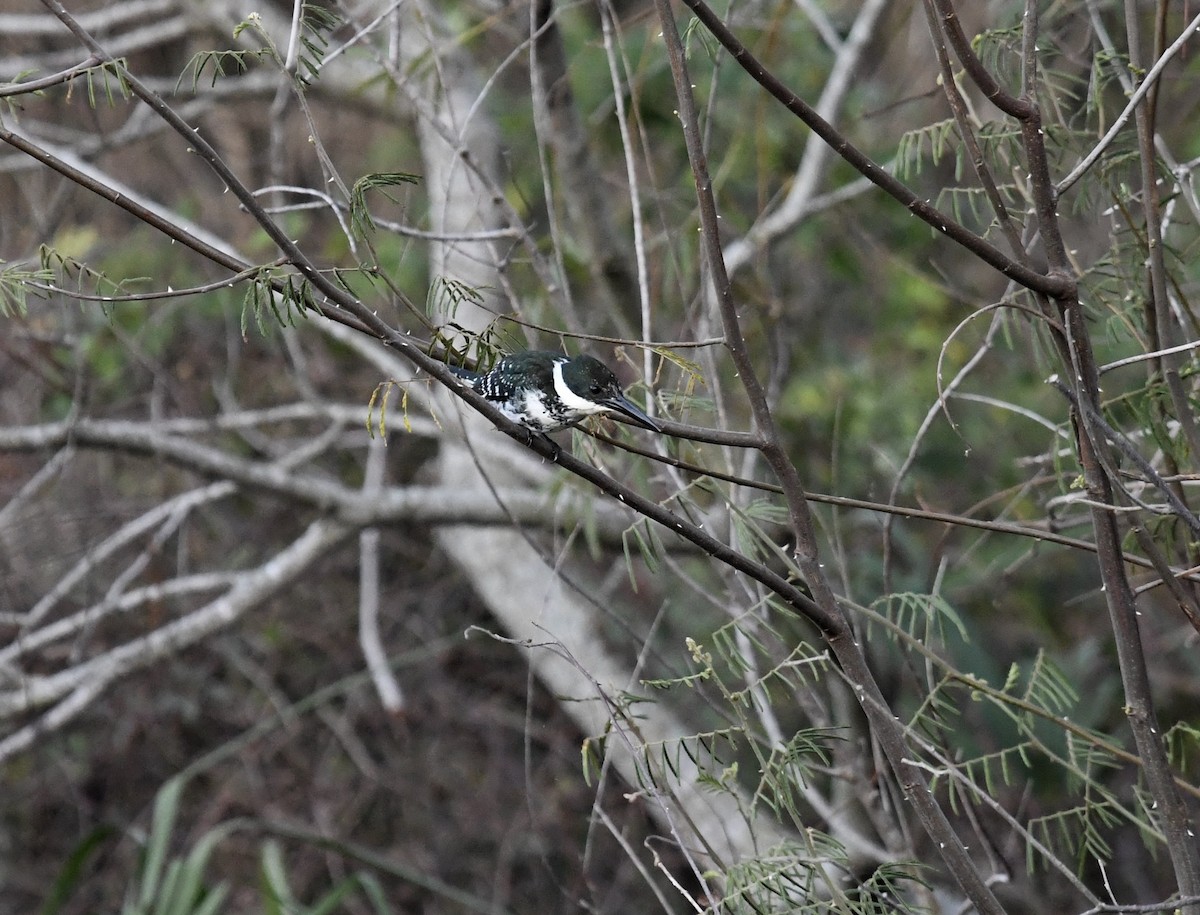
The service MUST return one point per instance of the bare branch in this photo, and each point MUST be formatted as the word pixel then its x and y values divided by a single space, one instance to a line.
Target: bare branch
pixel 801 196
pixel 36 85
pixel 386 686
pixel 80 685
pixel 826 613
pixel 1135 100
pixel 1050 285
pixel 419 504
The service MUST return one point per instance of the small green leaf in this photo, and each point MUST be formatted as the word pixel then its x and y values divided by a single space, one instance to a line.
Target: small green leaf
pixel 360 214
pixel 166 806
pixel 70 877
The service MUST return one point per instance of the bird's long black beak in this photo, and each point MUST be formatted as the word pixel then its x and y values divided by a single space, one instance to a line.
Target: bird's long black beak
pixel 628 408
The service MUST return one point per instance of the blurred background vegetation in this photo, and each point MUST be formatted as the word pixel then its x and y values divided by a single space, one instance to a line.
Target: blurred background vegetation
pixel 477 796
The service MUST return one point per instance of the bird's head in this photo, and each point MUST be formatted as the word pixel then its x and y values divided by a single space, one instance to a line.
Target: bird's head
pixel 591 386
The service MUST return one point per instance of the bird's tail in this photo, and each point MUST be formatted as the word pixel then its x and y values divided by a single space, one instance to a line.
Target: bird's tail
pixel 463 373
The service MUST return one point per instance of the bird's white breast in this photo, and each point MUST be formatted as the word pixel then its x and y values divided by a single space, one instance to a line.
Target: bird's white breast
pixel 533 413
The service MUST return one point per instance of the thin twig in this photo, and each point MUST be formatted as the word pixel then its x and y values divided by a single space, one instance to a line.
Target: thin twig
pixel 54 79
pixel 1139 93
pixel 823 609
pixel 84 682
pixel 798 203
pixel 1053 286
pixel 1126 447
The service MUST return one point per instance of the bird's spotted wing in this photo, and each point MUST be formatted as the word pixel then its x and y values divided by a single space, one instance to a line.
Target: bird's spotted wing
pixel 496 386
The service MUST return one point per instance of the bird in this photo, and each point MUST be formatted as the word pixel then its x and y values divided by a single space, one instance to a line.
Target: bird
pixel 545 391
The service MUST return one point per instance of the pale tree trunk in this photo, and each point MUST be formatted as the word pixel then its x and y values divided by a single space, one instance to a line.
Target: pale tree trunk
pixel 556 628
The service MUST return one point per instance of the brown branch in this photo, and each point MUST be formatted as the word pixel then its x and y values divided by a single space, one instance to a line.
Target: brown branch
pixel 839 635
pixel 1019 108
pixel 1053 286
pixel 1143 720
pixel 1126 447
pixel 55 79
pixel 1159 321
pixel 1089 431
pixel 172 230
pixel 950 519
pixel 406 346
pixel 958 109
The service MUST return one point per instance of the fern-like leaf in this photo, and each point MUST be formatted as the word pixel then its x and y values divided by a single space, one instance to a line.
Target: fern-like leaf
pixel 360 214
pixel 16 285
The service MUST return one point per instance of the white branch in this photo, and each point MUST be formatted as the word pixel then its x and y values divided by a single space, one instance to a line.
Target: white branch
pixel 1134 100
pixel 389 690
pixel 90 616
pixel 124 536
pixel 108 20
pixel 89 678
pixel 799 200
pixel 451 504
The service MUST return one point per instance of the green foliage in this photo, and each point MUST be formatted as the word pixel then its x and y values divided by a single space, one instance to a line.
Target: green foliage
pixel 1000 51
pixel 282 294
pixel 379 401
pixel 934 141
pixel 317 22
pixel 1107 67
pixel 1183 745
pixel 710 754
pixel 752 537
pixel 66 271
pixel 74 869
pixel 806 878
pixel 106 78
pixel 1076 833
pixel 759 643
pixel 10 101
pixel 176 886
pixel 921 618
pixel 279 899
pixel 16 281
pixel 170 884
pixel 220 65
pixel 1044 749
pixel 446 294
pixel 1046 687
pixel 1044 752
pixel 789 768
pixel 645 538
pixel 102 78
pixel 1000 143
pixel 785 879
pixel 360 214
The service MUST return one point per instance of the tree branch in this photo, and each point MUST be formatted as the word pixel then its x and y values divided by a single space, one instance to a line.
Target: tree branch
pixel 432 505
pixel 84 682
pixel 1052 286
pixel 826 611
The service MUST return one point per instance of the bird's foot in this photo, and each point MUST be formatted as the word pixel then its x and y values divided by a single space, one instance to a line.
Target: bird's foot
pixel 555 447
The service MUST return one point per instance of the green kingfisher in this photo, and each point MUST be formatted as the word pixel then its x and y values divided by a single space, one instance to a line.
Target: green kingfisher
pixel 544 391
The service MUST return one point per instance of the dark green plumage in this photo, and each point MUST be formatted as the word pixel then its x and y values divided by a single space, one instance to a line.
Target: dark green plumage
pixel 545 391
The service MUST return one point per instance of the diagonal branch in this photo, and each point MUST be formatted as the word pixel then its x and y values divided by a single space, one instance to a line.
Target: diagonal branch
pixel 800 197
pixel 1090 437
pixel 825 610
pixel 410 503
pixel 78 686
pixel 1053 286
